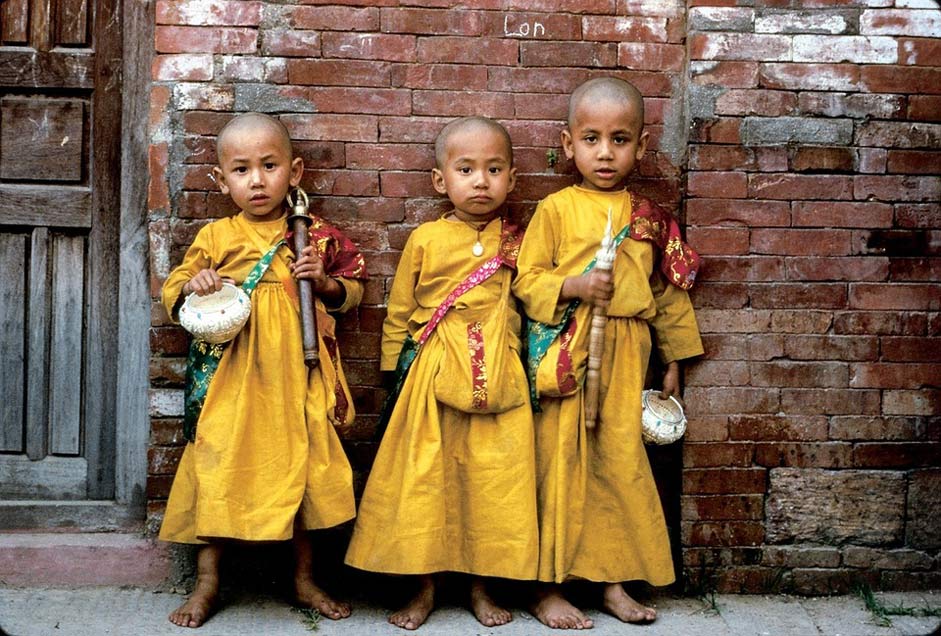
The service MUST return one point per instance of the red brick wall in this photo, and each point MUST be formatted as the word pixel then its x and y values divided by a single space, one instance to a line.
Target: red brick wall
pixel 799 140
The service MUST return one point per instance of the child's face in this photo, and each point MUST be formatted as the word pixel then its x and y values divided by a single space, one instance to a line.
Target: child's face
pixel 256 170
pixel 605 141
pixel 476 174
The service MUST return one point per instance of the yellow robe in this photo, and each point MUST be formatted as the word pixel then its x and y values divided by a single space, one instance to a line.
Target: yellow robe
pixel 600 515
pixel 265 448
pixel 449 491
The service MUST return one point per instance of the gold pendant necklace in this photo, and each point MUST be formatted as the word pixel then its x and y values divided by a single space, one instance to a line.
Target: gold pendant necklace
pixel 478 248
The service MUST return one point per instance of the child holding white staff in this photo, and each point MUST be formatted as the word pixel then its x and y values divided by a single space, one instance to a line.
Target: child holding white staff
pixel 264 462
pixel 599 511
pixel 453 485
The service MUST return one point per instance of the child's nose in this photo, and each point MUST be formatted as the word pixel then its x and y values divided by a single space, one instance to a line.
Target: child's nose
pixel 604 150
pixel 257 177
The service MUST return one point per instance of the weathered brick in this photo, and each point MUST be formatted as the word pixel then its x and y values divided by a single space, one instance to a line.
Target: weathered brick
pixel 899 134
pixel 733 212
pixel 834 269
pixel 924 107
pixel 203 96
pixel 209 12
pixel 740 46
pixel 830 22
pixel 369 46
pixel 624 28
pixel 716 18
pixel 901 79
pixel 240 68
pixel 339 72
pixel 724 481
pixel 757 131
pixel 799 186
pixel 731 400
pixel 895 454
pixel 842 214
pixel 854 427
pixel 717 130
pixel 728 185
pixel 914 161
pixel 725 533
pixel 745 268
pixel 440 76
pixel 919 51
pixel 459 104
pixel 905 296
pixel 717 373
pixel 923 514
pixel 717 507
pixel 185 39
pixel 725 454
pixel 334 18
pixel 830 401
pixel 893 375
pixel 332 127
pixel 390 156
pixel 802 242
pixel 910 22
pixel 912 402
pixel 824 506
pixel 718 240
pixel 902 559
pixel 777 428
pixel 489 51
pixel 800 556
pixel 730 74
pixel 536 26
pixel 290 43
pixel 845 48
pixel 186 67
pixel 857 105
pixel 875 322
pixel 823 159
pixel 756 102
pixel 804 322
pixel 810 77
pixel 651 56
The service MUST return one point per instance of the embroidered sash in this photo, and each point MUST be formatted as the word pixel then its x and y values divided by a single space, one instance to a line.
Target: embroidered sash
pixel 203 358
pixel 507 254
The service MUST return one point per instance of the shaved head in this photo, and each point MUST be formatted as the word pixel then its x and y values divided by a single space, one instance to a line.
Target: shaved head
pixel 609 89
pixel 466 124
pixel 252 122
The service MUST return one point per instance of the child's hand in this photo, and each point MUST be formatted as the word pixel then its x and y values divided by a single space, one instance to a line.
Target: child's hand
pixel 595 287
pixel 205 282
pixel 671 382
pixel 310 267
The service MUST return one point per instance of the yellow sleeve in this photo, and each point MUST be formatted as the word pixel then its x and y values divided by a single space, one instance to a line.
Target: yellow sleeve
pixel 400 307
pixel 674 325
pixel 354 294
pixel 197 258
pixel 538 282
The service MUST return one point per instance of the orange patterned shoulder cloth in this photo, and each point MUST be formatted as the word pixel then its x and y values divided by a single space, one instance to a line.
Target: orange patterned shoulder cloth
pixel 649 222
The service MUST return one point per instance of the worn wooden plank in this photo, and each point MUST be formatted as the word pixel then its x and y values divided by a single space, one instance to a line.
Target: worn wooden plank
pixel 65 355
pixel 12 325
pixel 72 22
pixel 87 516
pixel 50 206
pixel 103 267
pixel 41 139
pixel 40 24
pixel 37 317
pixel 14 23
pixel 62 69
pixel 49 478
pixel 132 423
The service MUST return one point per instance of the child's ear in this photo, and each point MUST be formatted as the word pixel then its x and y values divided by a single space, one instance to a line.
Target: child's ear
pixel 512 182
pixel 642 145
pixel 568 145
pixel 219 177
pixel 437 180
pixel 297 171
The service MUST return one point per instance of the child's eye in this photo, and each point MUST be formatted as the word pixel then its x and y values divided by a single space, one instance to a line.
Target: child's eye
pixel 495 170
pixel 241 170
pixel 620 140
pixel 269 166
pixel 590 138
pixel 464 170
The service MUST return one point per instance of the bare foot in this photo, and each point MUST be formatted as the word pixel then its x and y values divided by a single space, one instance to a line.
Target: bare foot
pixel 484 607
pixel 618 603
pixel 413 615
pixel 554 611
pixel 200 605
pixel 308 594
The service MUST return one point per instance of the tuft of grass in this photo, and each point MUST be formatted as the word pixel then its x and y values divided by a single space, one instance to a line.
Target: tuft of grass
pixel 310 617
pixel 552 157
pixel 702 585
pixel 881 613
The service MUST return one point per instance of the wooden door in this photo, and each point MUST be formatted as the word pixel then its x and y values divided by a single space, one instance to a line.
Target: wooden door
pixel 60 131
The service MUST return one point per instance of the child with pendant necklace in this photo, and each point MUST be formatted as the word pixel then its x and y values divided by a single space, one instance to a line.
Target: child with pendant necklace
pixel 453 485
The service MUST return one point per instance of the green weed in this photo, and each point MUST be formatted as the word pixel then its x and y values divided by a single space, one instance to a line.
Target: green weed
pixel 881 613
pixel 310 618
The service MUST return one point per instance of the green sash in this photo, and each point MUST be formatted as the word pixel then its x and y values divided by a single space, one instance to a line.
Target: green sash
pixel 203 358
pixel 540 336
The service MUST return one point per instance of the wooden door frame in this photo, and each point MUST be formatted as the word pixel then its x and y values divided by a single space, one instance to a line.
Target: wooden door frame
pixel 129 424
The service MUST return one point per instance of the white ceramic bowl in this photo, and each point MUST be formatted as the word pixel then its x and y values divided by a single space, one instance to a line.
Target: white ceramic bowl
pixel 216 317
pixel 662 421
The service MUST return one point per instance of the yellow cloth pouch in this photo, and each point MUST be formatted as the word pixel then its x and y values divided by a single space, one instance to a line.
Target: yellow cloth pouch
pixel 479 372
pixel 561 372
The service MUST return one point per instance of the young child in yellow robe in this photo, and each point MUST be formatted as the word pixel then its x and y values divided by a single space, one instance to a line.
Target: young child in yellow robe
pixel 265 463
pixel 453 485
pixel 600 515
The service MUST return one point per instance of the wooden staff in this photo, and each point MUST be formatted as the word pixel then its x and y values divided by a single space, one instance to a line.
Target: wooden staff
pixel 299 222
pixel 604 261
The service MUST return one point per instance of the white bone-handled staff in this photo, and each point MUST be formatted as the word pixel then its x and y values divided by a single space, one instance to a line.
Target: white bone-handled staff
pixel 604 261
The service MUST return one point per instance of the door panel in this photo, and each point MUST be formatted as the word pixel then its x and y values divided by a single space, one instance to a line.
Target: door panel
pixel 60 129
